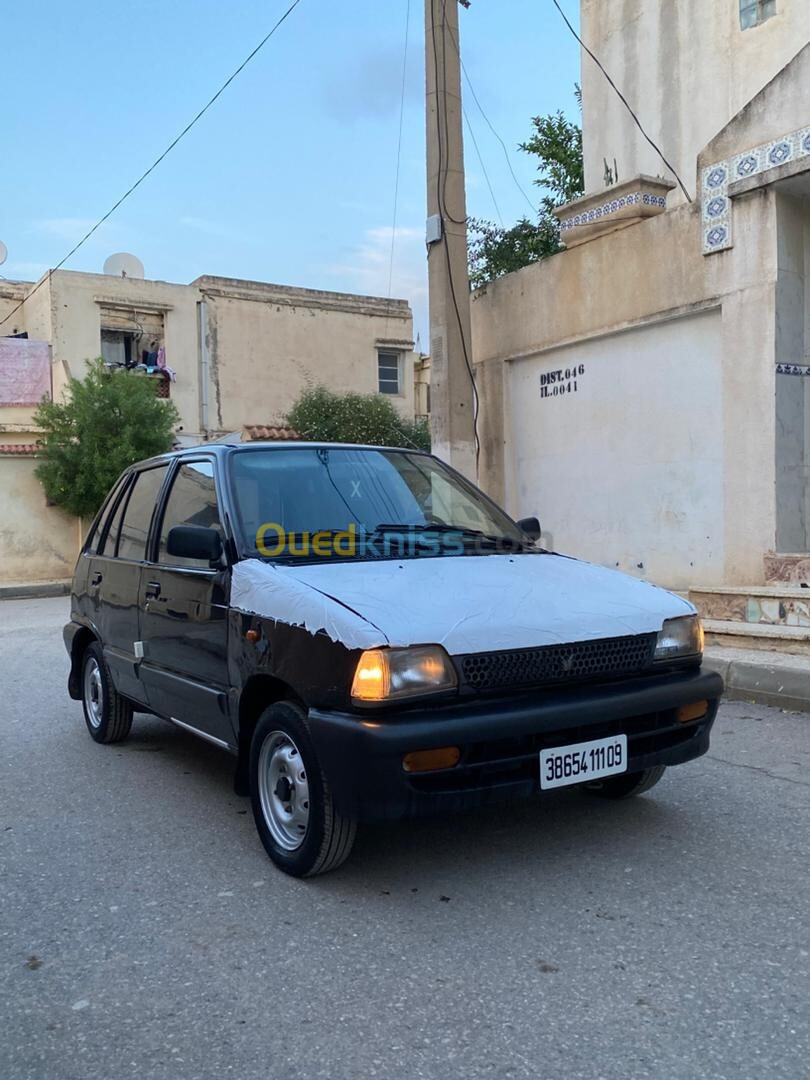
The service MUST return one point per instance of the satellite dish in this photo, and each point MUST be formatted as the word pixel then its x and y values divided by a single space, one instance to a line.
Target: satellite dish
pixel 3 252
pixel 123 265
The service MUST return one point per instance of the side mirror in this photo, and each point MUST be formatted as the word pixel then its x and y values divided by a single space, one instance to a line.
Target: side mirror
pixel 531 526
pixel 195 542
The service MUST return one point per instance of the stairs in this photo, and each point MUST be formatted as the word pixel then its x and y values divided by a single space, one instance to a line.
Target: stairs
pixel 774 617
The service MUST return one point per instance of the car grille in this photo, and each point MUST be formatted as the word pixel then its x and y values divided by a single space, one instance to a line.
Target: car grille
pixel 580 661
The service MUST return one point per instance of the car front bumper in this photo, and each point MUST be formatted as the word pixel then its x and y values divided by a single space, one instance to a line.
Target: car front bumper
pixel 501 739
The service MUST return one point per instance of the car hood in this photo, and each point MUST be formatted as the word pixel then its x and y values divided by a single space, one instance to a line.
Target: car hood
pixel 468 604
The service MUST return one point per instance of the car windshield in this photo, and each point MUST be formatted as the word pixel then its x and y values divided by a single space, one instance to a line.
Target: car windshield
pixel 355 502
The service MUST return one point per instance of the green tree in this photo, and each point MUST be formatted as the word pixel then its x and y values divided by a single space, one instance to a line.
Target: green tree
pixel 106 422
pixel 493 250
pixel 323 416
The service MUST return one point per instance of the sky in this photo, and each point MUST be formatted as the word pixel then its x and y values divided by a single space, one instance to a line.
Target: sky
pixel 290 176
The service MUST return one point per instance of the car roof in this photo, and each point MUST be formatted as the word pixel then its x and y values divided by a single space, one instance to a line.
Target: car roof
pixel 223 449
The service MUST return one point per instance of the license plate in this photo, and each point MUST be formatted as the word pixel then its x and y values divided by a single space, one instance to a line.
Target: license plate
pixel 582 762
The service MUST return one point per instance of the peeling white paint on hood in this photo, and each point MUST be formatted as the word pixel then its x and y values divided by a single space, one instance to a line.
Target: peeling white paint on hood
pixel 467 603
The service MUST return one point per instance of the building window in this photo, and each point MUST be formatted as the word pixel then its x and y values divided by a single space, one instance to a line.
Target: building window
pixel 754 12
pixel 118 348
pixel 388 365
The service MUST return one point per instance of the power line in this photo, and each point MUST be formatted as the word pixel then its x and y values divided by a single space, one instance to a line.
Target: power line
pixel 483 166
pixel 399 147
pixel 157 161
pixel 623 99
pixel 491 127
pixel 440 190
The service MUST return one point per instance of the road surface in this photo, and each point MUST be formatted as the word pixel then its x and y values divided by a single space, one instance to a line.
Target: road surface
pixel 144 934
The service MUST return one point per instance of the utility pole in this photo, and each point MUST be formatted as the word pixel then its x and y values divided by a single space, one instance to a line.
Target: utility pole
pixel 452 391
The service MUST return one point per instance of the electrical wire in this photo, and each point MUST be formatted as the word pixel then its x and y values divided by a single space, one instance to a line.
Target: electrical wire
pixel 399 149
pixel 449 216
pixel 440 193
pixel 483 166
pixel 158 160
pixel 490 125
pixel 623 99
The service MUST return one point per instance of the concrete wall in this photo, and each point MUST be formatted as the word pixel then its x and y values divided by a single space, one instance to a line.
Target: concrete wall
pixel 687 68
pixel 792 392
pixel 77 304
pixel 37 542
pixel 266 344
pixel 623 460
pixel 674 341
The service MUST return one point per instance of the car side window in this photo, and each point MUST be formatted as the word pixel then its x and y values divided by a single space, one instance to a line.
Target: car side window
pixel 108 537
pixel 93 543
pixel 192 501
pixel 138 514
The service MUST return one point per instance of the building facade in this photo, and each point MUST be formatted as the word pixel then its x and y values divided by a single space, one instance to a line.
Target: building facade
pixel 645 391
pixel 240 353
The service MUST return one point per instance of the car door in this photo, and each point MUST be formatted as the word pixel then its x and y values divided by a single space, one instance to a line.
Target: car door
pixel 184 622
pixel 115 576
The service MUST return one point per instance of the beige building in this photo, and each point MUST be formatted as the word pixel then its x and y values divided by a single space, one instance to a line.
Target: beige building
pixel 647 391
pixel 241 352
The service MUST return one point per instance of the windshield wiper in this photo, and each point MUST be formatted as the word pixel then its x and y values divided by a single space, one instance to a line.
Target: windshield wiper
pixel 464 533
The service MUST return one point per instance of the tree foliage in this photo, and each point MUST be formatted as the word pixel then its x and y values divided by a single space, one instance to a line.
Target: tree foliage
pixel 495 251
pixel 556 143
pixel 106 422
pixel 323 416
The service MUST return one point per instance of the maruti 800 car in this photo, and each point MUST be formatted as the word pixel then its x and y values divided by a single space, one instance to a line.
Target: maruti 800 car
pixel 371 637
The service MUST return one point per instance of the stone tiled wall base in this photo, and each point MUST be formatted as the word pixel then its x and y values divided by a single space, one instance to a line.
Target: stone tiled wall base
pixel 788 569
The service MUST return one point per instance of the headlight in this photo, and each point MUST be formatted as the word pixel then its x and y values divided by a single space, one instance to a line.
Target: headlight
pixel 390 674
pixel 680 638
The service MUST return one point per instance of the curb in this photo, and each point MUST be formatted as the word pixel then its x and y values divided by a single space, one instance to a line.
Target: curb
pixel 766 678
pixel 37 590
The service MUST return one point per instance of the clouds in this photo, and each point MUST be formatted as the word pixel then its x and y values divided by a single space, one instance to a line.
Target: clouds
pixel 72 229
pixel 366 267
pixel 216 229
pixel 22 271
pixel 370 87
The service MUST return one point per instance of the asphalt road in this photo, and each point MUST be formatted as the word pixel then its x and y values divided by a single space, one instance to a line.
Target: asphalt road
pixel 143 932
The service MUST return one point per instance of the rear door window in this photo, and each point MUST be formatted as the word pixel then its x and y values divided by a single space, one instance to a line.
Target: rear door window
pixel 138 514
pixel 108 537
pixel 92 544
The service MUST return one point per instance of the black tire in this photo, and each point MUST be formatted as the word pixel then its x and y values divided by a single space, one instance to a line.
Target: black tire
pixel 108 716
pixel 325 840
pixel 628 785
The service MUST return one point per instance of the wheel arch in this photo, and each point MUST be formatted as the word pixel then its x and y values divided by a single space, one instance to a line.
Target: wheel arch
pixel 81 639
pixel 258 692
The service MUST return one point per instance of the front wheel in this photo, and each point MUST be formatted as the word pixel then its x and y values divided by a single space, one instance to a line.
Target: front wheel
pixel 292 805
pixel 627 785
pixel 108 716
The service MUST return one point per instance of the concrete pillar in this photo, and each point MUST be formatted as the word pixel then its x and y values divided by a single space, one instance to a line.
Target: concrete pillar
pixel 452 386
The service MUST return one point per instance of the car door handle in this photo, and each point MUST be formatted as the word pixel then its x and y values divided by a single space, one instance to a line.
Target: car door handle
pixel 96 578
pixel 152 590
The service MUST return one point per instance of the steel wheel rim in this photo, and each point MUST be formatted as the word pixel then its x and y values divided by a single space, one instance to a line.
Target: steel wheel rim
pixel 284 791
pixel 93 694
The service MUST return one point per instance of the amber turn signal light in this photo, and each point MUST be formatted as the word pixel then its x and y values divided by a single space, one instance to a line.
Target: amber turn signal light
pixel 429 760
pixel 695 711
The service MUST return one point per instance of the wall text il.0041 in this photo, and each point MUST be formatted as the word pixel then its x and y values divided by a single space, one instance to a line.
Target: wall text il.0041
pixel 561 382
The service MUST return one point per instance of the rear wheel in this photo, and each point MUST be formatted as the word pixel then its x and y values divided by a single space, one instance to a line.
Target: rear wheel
pixel 292 805
pixel 627 785
pixel 108 716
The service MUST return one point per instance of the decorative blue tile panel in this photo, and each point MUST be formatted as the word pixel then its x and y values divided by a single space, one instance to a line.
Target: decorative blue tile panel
pixel 793 369
pixel 716 204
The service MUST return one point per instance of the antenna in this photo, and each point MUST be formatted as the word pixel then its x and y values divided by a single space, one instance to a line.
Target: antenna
pixel 3 252
pixel 123 264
